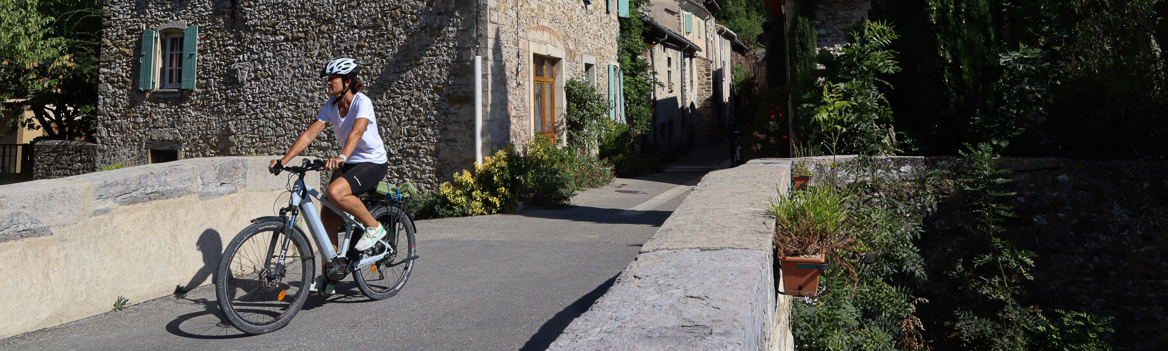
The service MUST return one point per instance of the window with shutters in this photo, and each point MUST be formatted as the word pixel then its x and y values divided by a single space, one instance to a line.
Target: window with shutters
pixel 168 58
pixel 544 96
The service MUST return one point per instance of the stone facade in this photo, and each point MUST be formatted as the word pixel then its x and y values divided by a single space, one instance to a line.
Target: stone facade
pixel 569 33
pixel 258 65
pixel 258 82
pixel 835 17
pixel 692 62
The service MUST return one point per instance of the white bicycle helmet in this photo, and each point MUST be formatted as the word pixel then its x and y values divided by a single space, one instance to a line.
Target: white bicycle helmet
pixel 341 66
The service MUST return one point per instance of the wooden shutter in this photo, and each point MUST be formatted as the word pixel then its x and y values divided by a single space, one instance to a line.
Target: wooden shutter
pixel 612 92
pixel 623 8
pixel 688 23
pixel 608 6
pixel 146 60
pixel 190 56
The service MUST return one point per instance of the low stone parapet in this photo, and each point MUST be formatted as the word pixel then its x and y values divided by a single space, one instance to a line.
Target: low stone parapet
pixel 69 247
pixel 705 280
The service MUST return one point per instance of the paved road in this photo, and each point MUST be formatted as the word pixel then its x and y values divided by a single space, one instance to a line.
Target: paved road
pixel 501 282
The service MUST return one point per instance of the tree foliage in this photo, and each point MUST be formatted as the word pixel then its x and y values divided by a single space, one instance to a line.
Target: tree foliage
pixel 745 18
pixel 50 52
pixel 1082 78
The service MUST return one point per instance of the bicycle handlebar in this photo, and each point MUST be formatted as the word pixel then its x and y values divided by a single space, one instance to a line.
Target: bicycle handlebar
pixel 307 165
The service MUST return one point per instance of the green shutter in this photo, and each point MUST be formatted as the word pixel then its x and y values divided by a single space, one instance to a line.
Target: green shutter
pixel 190 56
pixel 623 8
pixel 612 92
pixel 688 24
pixel 623 116
pixel 608 6
pixel 146 60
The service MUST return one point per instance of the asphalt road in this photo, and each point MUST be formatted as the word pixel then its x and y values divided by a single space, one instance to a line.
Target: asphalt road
pixel 501 282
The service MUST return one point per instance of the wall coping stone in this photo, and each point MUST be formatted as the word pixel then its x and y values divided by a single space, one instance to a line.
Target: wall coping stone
pixel 731 203
pixel 140 184
pixel 706 278
pixel 53 201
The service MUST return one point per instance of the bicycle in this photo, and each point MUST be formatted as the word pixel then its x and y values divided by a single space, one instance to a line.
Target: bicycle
pixel 263 275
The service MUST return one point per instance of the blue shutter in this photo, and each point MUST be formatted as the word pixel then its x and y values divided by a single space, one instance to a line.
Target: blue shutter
pixel 623 8
pixel 608 6
pixel 688 23
pixel 612 92
pixel 621 74
pixel 146 60
pixel 190 56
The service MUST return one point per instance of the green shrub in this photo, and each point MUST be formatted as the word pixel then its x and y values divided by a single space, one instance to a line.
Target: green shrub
pixel 587 114
pixel 111 167
pixel 546 174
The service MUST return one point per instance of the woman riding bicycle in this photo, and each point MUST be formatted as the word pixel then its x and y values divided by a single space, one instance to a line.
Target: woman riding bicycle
pixel 362 161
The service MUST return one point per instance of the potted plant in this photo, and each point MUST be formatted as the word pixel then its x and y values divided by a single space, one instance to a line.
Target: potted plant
pixel 800 172
pixel 800 175
pixel 810 227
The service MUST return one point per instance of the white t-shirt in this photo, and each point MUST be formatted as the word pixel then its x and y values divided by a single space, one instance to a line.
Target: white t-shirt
pixel 370 149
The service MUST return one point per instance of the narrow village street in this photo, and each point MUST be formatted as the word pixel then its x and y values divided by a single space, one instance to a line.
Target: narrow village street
pixel 501 282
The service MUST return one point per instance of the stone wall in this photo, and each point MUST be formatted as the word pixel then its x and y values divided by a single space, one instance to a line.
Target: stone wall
pixel 63 158
pixel 77 244
pixel 705 281
pixel 835 17
pixel 258 81
pixel 1099 229
pixel 570 32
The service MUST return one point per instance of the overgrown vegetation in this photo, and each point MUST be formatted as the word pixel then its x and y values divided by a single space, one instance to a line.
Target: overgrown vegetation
pixel 1082 79
pixel 989 310
pixel 871 304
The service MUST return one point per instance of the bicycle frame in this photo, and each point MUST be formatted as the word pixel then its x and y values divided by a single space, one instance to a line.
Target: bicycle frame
pixel 302 192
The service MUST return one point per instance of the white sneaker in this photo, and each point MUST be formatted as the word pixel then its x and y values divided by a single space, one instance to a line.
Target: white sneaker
pixel 321 283
pixel 372 235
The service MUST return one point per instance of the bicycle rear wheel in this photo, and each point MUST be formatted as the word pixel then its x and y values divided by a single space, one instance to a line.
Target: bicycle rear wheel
pixel 386 277
pixel 257 290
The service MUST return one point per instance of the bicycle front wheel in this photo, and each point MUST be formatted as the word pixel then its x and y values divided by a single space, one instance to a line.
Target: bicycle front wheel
pixel 386 277
pixel 263 277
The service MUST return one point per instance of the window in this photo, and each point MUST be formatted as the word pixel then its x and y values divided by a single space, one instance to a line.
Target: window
pixel 544 96
pixel 669 78
pixel 171 49
pixel 169 57
pixel 589 73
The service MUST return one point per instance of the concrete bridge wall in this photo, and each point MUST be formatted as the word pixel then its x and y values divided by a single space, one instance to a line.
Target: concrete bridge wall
pixel 704 281
pixel 69 247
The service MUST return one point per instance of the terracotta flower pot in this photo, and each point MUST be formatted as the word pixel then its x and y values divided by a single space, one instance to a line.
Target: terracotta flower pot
pixel 801 274
pixel 800 182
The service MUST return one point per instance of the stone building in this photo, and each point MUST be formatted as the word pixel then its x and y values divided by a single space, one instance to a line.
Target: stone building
pixel 201 78
pixel 692 60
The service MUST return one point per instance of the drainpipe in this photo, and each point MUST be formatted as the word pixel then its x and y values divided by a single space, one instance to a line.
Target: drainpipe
pixel 478 101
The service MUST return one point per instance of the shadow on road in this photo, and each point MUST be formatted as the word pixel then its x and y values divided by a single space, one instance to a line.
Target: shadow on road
pixel 555 326
pixel 597 215
pixel 207 324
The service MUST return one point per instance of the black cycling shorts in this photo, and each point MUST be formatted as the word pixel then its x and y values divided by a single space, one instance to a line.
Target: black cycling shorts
pixel 362 177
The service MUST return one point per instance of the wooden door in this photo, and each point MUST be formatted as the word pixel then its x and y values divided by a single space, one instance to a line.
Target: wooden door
pixel 545 97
